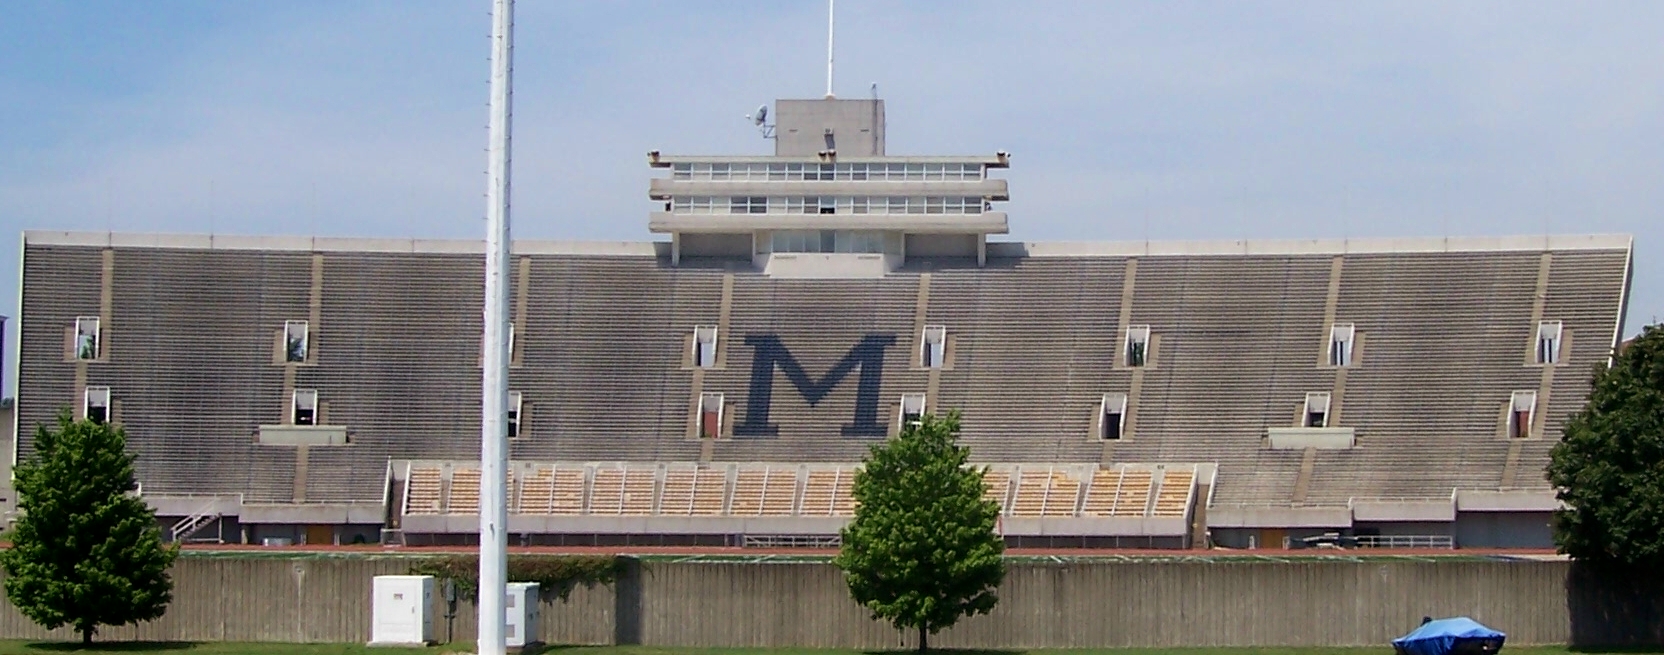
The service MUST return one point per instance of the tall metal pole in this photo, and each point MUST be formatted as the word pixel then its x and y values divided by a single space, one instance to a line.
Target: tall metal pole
pixel 493 586
pixel 830 4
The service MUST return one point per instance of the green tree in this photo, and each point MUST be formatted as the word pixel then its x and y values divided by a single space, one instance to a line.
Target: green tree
pixel 921 551
pixel 1609 465
pixel 85 552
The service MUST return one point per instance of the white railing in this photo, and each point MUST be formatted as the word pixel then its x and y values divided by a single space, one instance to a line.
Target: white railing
pixel 791 541
pixel 190 525
pixel 1407 541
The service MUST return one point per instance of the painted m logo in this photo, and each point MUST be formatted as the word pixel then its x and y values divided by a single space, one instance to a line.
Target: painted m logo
pixel 768 354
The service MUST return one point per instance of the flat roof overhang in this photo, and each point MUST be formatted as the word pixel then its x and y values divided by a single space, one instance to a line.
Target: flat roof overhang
pixel 988 189
pixel 657 159
pixel 984 223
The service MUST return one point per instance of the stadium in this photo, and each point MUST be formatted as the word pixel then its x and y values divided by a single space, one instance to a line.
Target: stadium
pixel 718 386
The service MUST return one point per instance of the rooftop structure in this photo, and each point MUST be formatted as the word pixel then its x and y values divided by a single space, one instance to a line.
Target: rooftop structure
pixel 830 202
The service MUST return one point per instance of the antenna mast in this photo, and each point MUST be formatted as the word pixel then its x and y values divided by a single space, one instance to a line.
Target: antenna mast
pixel 493 578
pixel 829 16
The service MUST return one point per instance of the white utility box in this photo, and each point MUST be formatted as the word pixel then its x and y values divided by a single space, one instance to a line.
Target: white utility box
pixel 402 610
pixel 522 614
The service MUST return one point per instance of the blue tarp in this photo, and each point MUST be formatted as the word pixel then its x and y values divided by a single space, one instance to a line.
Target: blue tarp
pixel 1444 636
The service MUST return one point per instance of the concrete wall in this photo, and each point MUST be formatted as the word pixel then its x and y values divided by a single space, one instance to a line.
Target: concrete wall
pixel 1101 604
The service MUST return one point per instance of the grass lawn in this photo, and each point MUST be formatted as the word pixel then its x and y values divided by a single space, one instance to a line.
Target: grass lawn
pixel 26 648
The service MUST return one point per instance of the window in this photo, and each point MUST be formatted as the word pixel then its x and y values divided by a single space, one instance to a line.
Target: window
pixel 1113 416
pixel 1522 409
pixel 1317 410
pixel 748 205
pixel 710 415
pixel 828 204
pixel 934 346
pixel 1548 342
pixel 1138 345
pixel 1340 344
pixel 912 409
pixel 96 404
pixel 295 341
pixel 86 337
pixel 681 172
pixel 514 414
pixel 305 406
pixel 704 346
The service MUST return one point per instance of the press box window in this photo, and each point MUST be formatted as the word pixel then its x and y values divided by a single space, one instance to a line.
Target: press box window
pixel 1548 342
pixel 513 414
pixel 912 409
pixel 1340 344
pixel 1317 410
pixel 96 404
pixel 1112 419
pixel 1522 409
pixel 86 337
pixel 934 348
pixel 296 341
pixel 304 406
pixel 704 346
pixel 1138 345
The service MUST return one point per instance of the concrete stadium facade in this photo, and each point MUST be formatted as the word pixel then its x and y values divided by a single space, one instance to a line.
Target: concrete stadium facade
pixel 720 387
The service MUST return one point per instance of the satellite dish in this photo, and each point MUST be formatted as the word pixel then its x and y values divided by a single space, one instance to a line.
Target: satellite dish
pixel 760 116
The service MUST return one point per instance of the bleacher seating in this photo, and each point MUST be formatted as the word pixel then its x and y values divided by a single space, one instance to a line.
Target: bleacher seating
pixel 1174 497
pixel 1445 334
pixel 794 490
pixel 465 492
pixel 424 490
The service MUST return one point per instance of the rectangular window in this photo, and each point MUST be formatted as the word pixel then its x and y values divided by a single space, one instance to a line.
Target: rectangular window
pixel 96 404
pixel 704 346
pixel 912 409
pixel 858 172
pixel 1317 410
pixel 681 172
pixel 305 406
pixel 1521 411
pixel 86 337
pixel 1138 345
pixel 514 401
pixel 296 338
pixel 719 171
pixel 1113 416
pixel 828 204
pixel 826 172
pixel 710 415
pixel 934 346
pixel 1548 342
pixel 1340 344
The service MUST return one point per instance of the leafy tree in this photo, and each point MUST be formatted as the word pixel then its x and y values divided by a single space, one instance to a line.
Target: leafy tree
pixel 1608 464
pixel 921 551
pixel 85 552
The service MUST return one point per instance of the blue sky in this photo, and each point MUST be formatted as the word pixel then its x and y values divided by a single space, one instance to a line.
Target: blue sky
pixel 1126 120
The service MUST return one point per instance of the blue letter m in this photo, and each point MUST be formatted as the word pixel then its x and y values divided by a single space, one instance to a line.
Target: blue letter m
pixel 769 354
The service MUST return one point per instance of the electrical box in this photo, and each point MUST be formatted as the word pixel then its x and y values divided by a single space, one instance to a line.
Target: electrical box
pixel 402 613
pixel 521 606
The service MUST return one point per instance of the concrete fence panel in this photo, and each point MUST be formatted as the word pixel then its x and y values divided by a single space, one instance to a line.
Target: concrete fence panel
pixel 1178 603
